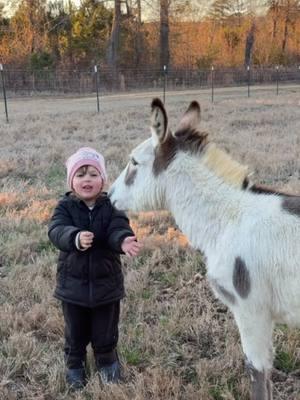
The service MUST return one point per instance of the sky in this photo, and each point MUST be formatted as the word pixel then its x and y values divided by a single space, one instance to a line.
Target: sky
pixel 256 4
pixel 9 5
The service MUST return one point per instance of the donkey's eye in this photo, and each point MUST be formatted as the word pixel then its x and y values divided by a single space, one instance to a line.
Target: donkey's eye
pixel 133 161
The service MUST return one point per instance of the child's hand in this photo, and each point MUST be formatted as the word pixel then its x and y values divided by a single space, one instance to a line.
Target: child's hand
pixel 86 239
pixel 130 246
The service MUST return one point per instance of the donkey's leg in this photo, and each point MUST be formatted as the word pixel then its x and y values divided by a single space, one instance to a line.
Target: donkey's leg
pixel 261 385
pixel 256 337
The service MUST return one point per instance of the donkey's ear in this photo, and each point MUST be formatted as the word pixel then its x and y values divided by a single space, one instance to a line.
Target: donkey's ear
pixel 190 120
pixel 159 121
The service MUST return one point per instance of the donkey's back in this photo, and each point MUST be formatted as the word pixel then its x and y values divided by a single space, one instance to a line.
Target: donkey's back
pixel 265 240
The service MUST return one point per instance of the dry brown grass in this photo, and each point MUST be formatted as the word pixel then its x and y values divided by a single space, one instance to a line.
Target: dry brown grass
pixel 177 342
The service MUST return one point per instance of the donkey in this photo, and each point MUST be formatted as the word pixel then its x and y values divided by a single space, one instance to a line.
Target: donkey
pixel 251 238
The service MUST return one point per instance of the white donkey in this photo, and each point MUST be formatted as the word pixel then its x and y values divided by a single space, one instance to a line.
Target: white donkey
pixel 251 238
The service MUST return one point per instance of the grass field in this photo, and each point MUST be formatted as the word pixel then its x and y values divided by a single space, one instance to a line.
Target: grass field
pixel 176 340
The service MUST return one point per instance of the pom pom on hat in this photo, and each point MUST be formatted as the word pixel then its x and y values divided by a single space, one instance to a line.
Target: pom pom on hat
pixel 85 156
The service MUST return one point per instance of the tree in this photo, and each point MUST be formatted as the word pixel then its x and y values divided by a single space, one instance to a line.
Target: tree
pixel 291 10
pixel 58 25
pixel 90 28
pixel 274 12
pixel 225 11
pixel 4 33
pixel 164 34
pixel 4 22
pixel 249 44
pixel 284 15
pixel 138 33
pixel 28 29
pixel 171 11
pixel 114 40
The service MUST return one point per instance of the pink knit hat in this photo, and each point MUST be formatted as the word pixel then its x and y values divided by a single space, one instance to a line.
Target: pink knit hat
pixel 85 156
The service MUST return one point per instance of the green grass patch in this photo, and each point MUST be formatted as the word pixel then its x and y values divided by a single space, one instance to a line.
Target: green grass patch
pixel 164 320
pixel 189 375
pixel 134 356
pixel 286 362
pixel 165 278
pixel 45 246
pixel 217 392
pixel 56 178
pixel 147 294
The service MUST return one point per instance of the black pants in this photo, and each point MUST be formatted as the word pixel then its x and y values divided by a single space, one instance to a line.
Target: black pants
pixel 98 326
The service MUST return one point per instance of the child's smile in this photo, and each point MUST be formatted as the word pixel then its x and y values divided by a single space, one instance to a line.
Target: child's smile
pixel 87 184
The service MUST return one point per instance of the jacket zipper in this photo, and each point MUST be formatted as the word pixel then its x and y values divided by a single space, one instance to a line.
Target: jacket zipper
pixel 90 265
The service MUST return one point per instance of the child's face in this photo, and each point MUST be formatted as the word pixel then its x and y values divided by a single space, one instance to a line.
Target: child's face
pixel 87 184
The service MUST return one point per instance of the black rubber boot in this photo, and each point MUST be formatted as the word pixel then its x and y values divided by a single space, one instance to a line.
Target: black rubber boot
pixel 110 373
pixel 76 378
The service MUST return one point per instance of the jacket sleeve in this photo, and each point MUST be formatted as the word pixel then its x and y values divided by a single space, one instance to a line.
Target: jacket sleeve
pixel 118 230
pixel 61 230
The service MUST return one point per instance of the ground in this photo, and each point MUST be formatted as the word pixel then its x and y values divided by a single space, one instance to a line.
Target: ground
pixel 176 340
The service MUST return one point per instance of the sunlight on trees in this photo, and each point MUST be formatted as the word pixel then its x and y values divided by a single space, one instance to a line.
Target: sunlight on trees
pixel 42 34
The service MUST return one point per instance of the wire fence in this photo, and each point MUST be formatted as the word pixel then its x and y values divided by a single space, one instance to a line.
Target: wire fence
pixel 85 82
pixel 102 81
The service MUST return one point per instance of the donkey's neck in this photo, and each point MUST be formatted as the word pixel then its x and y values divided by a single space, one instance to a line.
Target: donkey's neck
pixel 203 204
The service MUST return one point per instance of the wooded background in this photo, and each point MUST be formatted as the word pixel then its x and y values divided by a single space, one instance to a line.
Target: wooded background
pixel 61 35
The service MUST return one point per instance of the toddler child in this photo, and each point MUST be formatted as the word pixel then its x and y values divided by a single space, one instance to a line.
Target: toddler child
pixel 90 234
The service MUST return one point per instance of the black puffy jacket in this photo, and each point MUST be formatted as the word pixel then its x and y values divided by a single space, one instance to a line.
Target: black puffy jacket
pixel 92 277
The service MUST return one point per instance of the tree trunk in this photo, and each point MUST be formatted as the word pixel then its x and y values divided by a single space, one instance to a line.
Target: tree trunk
pixel 274 31
pixel 164 34
pixel 286 32
pixel 139 38
pixel 274 13
pixel 249 45
pixel 114 41
pixel 69 34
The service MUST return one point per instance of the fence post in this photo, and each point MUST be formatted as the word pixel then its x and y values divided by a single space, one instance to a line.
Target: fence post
pixel 4 92
pixel 277 80
pixel 248 79
pixel 97 86
pixel 33 81
pixel 165 81
pixel 212 83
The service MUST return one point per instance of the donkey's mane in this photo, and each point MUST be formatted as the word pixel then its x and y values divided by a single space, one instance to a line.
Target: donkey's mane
pixel 195 142
pixel 186 139
pixel 191 140
pixel 221 163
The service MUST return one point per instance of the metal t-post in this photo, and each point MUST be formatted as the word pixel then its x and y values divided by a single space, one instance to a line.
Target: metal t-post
pixel 97 86
pixel 4 91
pixel 248 78
pixel 165 81
pixel 212 83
